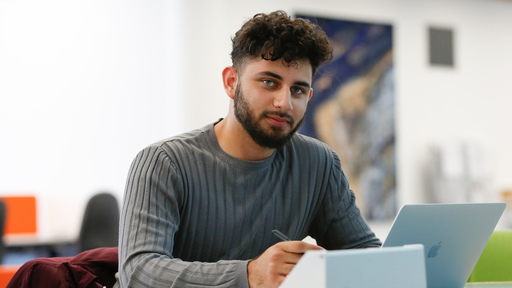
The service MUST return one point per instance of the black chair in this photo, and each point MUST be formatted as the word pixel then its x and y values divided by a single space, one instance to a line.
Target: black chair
pixel 100 226
pixel 2 227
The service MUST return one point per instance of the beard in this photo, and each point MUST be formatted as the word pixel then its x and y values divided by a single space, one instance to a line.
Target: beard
pixel 274 137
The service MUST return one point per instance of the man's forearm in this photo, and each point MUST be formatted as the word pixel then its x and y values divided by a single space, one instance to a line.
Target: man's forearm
pixel 154 270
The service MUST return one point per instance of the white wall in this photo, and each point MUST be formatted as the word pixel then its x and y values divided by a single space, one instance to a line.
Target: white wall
pixel 434 105
pixel 84 85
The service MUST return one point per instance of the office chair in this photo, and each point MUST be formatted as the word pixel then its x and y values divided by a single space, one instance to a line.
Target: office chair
pixel 495 263
pixel 100 226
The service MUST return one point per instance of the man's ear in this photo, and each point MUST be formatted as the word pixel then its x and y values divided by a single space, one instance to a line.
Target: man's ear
pixel 310 94
pixel 230 78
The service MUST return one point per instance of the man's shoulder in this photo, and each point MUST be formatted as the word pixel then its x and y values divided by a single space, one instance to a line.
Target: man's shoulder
pixel 197 139
pixel 185 138
pixel 310 149
pixel 313 153
pixel 301 141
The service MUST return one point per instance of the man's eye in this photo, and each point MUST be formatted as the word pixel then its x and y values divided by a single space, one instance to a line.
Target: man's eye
pixel 297 90
pixel 269 82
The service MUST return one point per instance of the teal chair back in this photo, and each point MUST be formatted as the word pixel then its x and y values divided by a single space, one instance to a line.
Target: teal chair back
pixel 495 263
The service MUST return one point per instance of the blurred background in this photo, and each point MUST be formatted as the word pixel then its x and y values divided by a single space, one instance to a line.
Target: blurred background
pixel 85 85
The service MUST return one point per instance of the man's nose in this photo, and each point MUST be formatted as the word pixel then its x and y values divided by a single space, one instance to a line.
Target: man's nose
pixel 283 100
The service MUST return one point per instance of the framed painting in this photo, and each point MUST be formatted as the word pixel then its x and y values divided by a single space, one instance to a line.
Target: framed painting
pixel 353 110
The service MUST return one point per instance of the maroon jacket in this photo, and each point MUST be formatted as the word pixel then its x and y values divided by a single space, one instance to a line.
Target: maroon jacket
pixel 90 269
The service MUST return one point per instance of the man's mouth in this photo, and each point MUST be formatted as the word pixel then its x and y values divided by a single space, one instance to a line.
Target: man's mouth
pixel 278 120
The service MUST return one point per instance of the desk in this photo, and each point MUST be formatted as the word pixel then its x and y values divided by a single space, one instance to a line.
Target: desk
pixel 488 285
pixel 33 240
pixel 54 246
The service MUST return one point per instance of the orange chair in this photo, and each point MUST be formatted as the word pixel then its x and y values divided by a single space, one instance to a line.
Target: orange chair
pixel 6 273
pixel 20 219
pixel 21 215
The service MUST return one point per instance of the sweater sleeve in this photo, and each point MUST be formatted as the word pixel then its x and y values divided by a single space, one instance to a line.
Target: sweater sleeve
pixel 340 224
pixel 150 218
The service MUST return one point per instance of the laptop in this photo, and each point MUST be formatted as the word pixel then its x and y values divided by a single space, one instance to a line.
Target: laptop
pixel 397 267
pixel 454 236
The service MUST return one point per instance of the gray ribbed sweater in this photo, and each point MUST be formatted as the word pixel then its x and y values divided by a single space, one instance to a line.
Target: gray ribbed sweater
pixel 193 215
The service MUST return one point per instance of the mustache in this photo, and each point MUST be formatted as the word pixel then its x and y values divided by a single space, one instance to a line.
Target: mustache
pixel 276 113
pixel 279 114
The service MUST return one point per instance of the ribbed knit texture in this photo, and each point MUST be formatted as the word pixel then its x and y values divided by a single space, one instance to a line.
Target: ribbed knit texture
pixel 193 215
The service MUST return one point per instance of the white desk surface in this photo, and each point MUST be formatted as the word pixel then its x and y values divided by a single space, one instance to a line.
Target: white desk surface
pixel 24 240
pixel 488 285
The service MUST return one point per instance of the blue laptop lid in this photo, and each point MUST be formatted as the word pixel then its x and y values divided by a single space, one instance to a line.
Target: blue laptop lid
pixel 397 267
pixel 454 236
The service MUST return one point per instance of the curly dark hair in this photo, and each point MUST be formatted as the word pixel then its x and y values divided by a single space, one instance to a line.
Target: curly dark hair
pixel 274 36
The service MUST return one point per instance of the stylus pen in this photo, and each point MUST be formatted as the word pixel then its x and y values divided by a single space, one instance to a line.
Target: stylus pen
pixel 280 235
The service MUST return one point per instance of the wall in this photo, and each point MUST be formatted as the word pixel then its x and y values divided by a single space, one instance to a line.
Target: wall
pixel 470 103
pixel 84 85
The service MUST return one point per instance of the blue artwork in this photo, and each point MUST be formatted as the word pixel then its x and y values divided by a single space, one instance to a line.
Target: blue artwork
pixel 353 110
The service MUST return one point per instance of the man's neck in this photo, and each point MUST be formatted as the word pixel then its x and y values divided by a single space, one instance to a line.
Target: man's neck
pixel 235 141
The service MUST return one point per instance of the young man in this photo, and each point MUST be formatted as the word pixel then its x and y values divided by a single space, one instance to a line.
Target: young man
pixel 199 208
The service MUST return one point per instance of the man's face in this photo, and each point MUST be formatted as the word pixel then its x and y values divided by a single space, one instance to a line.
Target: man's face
pixel 271 99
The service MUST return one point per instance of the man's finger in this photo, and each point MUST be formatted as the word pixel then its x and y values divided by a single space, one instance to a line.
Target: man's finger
pixel 298 247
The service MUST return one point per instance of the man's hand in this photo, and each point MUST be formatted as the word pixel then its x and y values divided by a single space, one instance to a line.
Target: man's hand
pixel 271 268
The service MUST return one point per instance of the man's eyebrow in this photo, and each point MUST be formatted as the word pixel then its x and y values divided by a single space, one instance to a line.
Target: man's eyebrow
pixel 303 84
pixel 277 76
pixel 271 74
